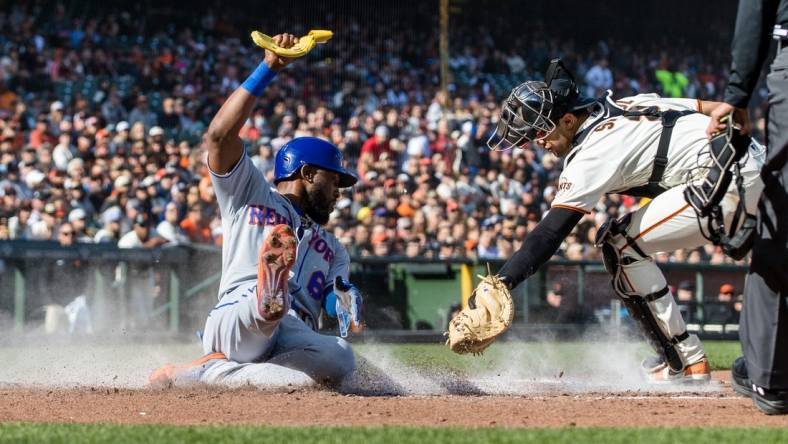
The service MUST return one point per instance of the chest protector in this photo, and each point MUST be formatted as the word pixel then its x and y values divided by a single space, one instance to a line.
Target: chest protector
pixel 726 149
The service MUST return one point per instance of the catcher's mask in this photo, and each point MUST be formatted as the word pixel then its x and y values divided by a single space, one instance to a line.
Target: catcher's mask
pixel 532 109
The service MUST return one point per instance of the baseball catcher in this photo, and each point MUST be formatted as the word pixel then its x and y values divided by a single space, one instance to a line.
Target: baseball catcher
pixel 280 268
pixel 647 146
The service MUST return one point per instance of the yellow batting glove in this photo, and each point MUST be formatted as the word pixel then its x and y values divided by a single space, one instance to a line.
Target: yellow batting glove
pixel 300 49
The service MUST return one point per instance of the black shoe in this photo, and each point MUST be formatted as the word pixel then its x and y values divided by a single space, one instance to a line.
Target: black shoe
pixel 739 380
pixel 771 402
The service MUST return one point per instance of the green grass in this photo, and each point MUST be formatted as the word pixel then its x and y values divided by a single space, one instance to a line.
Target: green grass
pixel 68 433
pixel 722 353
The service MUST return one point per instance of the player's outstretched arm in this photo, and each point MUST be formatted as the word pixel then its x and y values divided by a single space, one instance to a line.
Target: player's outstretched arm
pixel 540 245
pixel 221 139
pixel 477 325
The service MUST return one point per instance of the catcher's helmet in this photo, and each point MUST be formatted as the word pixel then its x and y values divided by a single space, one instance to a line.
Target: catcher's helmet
pixel 310 151
pixel 532 108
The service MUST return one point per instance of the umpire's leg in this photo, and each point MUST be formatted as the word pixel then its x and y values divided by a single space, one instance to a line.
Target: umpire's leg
pixel 764 325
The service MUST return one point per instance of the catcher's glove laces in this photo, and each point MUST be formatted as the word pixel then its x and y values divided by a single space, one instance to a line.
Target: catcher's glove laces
pixel 489 313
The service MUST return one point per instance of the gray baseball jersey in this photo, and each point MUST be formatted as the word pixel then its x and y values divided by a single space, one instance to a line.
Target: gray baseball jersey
pixel 250 206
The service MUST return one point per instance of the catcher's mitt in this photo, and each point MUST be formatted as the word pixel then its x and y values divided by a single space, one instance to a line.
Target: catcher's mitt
pixel 489 313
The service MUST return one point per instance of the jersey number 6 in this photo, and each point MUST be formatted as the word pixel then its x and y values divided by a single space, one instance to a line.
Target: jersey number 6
pixel 317 282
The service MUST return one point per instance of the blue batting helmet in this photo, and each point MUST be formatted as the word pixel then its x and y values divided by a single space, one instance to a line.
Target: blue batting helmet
pixel 311 151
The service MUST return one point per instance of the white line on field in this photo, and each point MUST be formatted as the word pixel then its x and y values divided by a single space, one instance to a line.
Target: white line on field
pixel 681 397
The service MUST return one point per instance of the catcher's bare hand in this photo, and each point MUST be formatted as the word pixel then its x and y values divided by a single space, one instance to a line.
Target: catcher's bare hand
pixel 718 122
pixel 276 62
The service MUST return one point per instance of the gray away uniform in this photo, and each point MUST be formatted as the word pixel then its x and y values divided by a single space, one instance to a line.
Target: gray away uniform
pixel 250 207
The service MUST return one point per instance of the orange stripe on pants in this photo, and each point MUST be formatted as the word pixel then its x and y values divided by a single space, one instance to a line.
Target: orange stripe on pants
pixel 658 223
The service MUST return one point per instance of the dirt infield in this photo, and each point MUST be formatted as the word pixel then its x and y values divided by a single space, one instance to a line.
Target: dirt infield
pixel 318 407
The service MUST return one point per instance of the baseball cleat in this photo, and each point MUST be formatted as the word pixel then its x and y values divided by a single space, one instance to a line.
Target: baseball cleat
pixel 696 373
pixel 277 255
pixel 163 376
pixel 740 381
pixel 168 375
pixel 771 402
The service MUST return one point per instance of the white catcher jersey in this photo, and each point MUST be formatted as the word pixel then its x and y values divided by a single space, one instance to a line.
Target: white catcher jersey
pixel 618 152
pixel 250 206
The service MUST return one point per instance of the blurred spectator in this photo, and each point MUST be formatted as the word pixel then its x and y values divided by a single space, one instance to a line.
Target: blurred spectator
pixel 19 224
pixel 722 310
pixel 78 220
pixel 140 235
pixel 264 160
pixel 194 225
pixel 560 310
pixel 65 235
pixel 673 82
pixel 142 114
pixel 107 125
pixel 688 304
pixel 486 248
pixel 726 294
pixel 738 304
pixel 139 277
pixel 67 277
pixel 374 147
pixel 110 231
pixel 169 228
pixel 599 78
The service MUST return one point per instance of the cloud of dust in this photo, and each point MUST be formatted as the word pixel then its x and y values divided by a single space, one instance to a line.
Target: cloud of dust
pixel 604 359
pixel 79 361
pixel 380 372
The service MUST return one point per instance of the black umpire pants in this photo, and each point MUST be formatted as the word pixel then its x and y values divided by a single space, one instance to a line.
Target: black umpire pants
pixel 764 322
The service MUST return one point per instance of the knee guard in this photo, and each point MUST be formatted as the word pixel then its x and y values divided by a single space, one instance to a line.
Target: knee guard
pixel 613 239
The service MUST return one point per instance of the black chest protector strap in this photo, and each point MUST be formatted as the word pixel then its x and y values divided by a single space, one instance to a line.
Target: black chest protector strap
pixel 669 118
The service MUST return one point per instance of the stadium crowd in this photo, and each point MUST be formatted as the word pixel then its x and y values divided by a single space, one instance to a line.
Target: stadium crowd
pixel 101 120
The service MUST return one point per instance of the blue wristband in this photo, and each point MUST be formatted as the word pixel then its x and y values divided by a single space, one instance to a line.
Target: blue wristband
pixel 330 304
pixel 259 79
